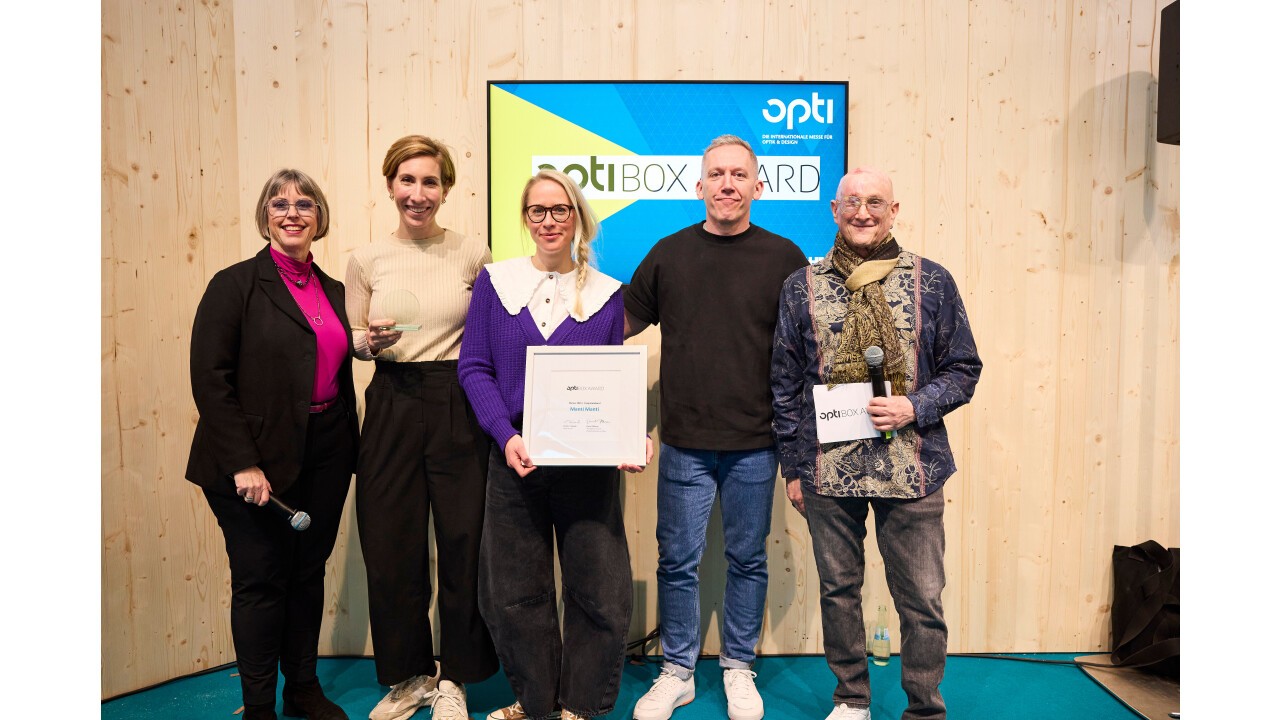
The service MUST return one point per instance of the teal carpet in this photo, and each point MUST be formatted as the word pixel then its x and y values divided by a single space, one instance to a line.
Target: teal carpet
pixel 794 688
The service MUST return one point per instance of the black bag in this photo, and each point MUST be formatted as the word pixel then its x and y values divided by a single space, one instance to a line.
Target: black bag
pixel 1144 613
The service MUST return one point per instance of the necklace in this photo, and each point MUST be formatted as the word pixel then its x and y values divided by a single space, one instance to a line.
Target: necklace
pixel 292 276
pixel 315 319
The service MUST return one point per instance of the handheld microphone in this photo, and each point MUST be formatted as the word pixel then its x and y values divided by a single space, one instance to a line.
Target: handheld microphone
pixel 298 520
pixel 875 368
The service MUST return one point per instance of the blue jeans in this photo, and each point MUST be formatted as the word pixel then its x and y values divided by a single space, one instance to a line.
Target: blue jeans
pixel 912 543
pixel 688 481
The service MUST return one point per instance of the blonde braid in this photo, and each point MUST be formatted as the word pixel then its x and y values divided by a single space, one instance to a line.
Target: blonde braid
pixel 583 259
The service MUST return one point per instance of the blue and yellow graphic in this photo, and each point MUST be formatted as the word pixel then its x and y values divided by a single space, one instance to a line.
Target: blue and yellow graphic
pixel 636 147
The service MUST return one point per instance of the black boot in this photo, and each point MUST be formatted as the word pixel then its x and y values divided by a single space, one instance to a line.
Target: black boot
pixel 259 712
pixel 307 700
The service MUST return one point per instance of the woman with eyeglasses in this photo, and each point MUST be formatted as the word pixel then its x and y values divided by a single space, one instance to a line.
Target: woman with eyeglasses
pixel 271 375
pixel 554 297
pixel 422 453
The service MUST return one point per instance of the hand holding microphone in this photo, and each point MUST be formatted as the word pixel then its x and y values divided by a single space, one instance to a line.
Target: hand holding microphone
pixel 252 485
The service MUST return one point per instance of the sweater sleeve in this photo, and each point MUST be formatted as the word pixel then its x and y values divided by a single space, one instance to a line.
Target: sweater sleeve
pixel 477 371
pixel 616 326
pixel 358 293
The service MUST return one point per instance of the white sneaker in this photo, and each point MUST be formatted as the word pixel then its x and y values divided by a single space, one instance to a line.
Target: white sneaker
pixel 450 702
pixel 406 697
pixel 668 693
pixel 849 712
pixel 740 691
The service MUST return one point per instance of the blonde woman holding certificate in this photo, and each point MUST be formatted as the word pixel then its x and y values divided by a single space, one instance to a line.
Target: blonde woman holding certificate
pixel 554 297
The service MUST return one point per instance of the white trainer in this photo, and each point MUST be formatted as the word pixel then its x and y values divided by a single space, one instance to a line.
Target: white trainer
pixel 740 691
pixel 450 702
pixel 668 693
pixel 844 711
pixel 406 697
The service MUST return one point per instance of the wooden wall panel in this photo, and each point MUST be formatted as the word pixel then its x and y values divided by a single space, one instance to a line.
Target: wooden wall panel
pixel 1020 138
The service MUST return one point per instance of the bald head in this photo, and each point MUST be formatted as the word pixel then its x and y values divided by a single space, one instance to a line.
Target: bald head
pixel 869 174
pixel 862 229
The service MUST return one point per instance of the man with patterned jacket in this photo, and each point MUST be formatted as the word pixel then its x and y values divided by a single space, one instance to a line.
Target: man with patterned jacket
pixel 869 292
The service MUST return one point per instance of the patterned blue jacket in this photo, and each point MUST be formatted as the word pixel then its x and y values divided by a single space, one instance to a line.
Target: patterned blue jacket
pixel 942 371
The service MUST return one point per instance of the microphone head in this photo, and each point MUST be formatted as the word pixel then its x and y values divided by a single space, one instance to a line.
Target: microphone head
pixel 300 521
pixel 874 356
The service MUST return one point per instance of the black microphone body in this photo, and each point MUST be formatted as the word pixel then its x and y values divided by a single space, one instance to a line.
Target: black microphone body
pixel 875 370
pixel 877 380
pixel 298 520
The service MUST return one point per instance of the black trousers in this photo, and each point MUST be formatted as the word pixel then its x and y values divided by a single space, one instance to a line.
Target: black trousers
pixel 421 453
pixel 277 573
pixel 577 665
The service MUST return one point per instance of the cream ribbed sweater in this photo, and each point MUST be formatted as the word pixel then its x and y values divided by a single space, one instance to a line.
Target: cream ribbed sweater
pixel 439 271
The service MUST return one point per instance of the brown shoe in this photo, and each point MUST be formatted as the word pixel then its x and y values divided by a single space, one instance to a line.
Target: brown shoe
pixel 515 712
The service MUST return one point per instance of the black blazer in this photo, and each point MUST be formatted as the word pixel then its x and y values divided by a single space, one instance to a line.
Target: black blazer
pixel 253 364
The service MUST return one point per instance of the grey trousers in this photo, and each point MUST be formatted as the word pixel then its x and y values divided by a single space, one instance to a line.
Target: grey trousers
pixel 910 536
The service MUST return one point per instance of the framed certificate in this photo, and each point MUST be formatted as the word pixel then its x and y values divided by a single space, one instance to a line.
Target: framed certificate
pixel 585 405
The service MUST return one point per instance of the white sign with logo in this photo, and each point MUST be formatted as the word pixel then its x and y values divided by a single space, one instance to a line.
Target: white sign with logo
pixel 842 411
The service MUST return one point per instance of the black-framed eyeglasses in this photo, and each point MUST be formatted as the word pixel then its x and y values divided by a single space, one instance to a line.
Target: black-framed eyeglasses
pixel 280 207
pixel 850 205
pixel 538 213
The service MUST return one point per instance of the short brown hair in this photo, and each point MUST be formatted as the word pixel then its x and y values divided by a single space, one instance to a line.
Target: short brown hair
pixel 305 186
pixel 412 146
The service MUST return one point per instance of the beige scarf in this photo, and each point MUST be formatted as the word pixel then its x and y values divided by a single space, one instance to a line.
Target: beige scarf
pixel 868 320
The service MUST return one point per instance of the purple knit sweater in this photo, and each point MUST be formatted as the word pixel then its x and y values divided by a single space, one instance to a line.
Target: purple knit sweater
pixel 491 364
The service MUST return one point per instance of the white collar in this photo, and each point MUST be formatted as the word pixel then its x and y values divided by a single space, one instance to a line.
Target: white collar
pixel 516 279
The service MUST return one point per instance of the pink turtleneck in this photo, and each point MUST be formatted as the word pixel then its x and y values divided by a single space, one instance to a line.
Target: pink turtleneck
pixel 331 337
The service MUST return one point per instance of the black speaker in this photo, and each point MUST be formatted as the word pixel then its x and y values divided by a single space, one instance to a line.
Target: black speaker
pixel 1167 91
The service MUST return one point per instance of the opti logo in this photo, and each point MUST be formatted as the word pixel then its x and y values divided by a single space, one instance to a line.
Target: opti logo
pixel 807 109
pixel 836 414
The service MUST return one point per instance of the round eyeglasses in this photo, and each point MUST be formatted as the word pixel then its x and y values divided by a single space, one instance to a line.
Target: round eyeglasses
pixel 538 213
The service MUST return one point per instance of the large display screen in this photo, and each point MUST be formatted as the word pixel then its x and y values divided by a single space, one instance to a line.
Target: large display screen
pixel 635 148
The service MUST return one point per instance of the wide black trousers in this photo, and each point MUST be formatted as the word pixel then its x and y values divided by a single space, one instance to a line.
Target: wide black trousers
pixel 576 511
pixel 422 453
pixel 277 573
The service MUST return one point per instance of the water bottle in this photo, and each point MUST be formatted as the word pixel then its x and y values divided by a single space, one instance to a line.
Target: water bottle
pixel 880 640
